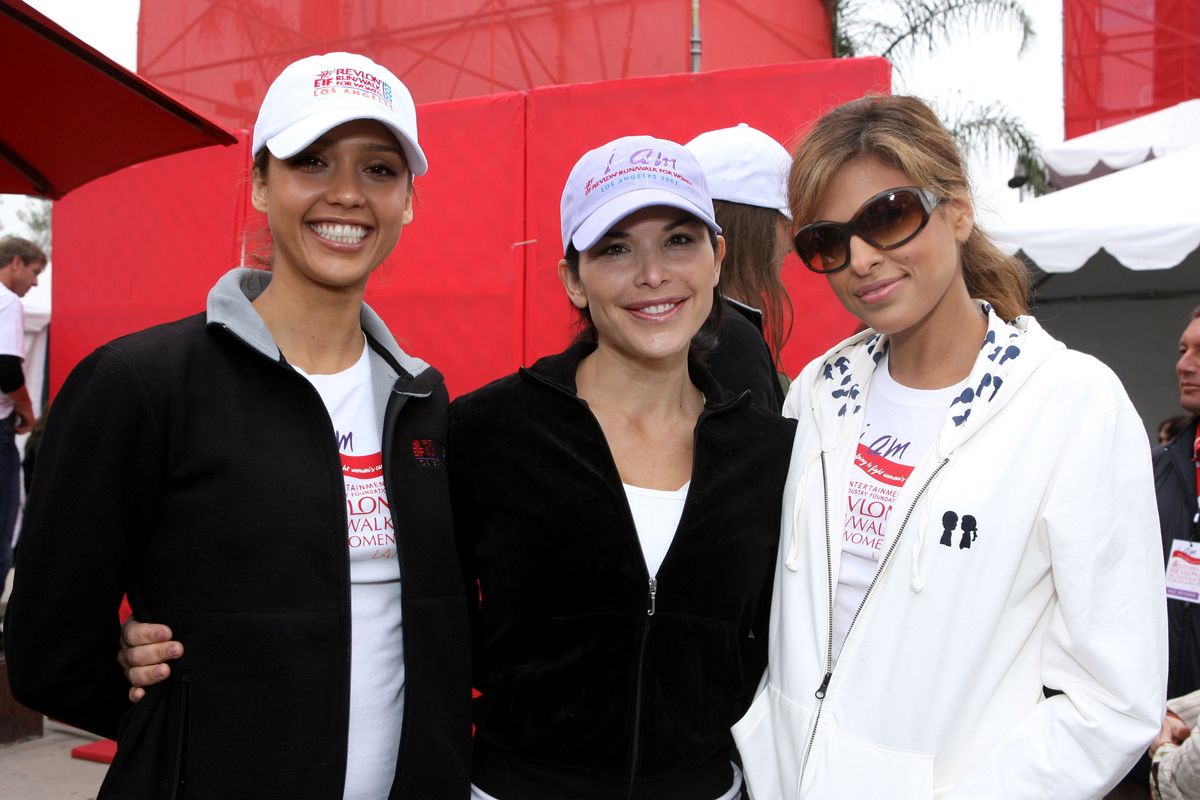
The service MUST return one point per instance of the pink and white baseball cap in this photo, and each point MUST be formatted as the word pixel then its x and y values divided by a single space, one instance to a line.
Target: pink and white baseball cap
pixel 626 175
pixel 316 94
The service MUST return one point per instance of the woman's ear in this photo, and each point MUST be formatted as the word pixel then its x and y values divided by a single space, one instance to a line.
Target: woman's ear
pixel 407 216
pixel 720 257
pixel 258 191
pixel 572 284
pixel 962 212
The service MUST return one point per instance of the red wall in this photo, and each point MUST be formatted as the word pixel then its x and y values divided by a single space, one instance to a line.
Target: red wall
pixel 218 57
pixel 472 285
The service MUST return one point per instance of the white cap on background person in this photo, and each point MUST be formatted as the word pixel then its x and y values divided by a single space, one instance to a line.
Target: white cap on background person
pixel 316 94
pixel 626 175
pixel 744 165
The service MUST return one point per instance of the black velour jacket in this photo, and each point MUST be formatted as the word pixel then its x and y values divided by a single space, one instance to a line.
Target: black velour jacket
pixel 201 476
pixel 593 685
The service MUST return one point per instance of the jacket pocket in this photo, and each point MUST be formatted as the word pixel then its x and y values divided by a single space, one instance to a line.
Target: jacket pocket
pixel 151 746
pixel 848 767
pixel 771 738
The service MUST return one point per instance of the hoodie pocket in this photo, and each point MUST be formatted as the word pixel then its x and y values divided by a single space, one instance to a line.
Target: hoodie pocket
pixel 849 767
pixel 770 739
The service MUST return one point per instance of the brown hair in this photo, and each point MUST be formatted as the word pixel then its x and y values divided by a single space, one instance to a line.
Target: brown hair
pixel 15 247
pixel 904 133
pixel 749 272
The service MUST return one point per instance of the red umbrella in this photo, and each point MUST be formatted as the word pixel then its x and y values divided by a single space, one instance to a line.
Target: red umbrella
pixel 72 114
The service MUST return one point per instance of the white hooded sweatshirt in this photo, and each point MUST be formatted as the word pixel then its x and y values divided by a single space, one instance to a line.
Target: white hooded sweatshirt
pixel 938 690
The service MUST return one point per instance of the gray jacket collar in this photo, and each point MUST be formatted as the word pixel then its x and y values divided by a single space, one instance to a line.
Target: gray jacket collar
pixel 229 306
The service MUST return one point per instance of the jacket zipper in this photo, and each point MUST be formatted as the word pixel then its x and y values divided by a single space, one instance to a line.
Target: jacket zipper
pixel 345 513
pixel 389 416
pixel 652 581
pixel 651 607
pixel 179 785
pixel 820 693
pixel 823 690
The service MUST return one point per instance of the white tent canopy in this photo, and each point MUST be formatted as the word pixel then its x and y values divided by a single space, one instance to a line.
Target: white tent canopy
pixel 1145 216
pixel 1152 135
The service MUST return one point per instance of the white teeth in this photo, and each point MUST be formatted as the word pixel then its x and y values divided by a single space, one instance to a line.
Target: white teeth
pixel 659 309
pixel 342 234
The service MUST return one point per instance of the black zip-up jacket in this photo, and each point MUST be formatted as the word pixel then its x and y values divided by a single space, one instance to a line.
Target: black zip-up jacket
pixel 1175 487
pixel 192 468
pixel 741 359
pixel 597 683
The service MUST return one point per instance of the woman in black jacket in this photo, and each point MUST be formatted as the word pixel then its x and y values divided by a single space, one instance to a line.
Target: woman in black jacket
pixel 240 475
pixel 618 512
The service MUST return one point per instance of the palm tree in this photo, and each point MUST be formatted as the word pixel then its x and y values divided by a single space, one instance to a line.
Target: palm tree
pixel 905 27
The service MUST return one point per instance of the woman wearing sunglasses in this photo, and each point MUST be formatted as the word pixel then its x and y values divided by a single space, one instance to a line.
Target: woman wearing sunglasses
pixel 969 598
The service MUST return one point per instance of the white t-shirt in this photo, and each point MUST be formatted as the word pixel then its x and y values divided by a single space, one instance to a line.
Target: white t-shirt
pixel 376 651
pixel 899 426
pixel 12 337
pixel 656 514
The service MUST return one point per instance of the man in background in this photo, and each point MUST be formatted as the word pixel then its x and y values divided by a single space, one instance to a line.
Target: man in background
pixel 1175 469
pixel 21 261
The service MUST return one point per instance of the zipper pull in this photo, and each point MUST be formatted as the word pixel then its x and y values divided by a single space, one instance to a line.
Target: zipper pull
pixel 824 686
pixel 653 592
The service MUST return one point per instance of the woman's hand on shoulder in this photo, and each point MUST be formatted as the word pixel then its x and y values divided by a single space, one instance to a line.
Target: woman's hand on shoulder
pixel 145 649
pixel 1173 732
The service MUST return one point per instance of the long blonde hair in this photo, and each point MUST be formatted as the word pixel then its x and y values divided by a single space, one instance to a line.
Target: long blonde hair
pixel 904 133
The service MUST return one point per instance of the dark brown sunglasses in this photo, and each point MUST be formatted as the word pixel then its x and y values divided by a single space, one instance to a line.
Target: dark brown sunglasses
pixel 886 221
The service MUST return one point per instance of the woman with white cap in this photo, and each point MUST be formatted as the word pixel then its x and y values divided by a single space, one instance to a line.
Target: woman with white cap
pixel 747 177
pixel 265 480
pixel 620 556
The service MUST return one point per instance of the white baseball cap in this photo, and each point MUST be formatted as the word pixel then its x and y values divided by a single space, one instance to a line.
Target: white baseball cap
pixel 316 94
pixel 626 175
pixel 744 165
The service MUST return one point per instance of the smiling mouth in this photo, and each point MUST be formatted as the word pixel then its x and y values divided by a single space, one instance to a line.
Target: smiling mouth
pixel 339 233
pixel 656 312
pixel 879 290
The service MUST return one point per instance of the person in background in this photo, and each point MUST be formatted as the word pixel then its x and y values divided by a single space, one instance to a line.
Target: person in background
pixel 747 176
pixel 618 512
pixel 1175 468
pixel 266 481
pixel 968 601
pixel 21 261
pixel 1171 427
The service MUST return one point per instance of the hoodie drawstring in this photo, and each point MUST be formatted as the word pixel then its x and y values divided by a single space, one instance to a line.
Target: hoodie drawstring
pixel 916 581
pixel 791 561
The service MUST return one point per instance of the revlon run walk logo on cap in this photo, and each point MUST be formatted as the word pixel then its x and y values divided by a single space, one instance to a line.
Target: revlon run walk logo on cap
pixel 316 94
pixel 626 175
